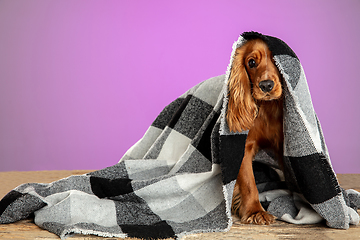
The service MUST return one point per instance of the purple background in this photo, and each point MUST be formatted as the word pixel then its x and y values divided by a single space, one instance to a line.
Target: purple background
pixel 81 81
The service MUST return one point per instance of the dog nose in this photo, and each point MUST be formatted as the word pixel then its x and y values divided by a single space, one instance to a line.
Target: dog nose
pixel 266 85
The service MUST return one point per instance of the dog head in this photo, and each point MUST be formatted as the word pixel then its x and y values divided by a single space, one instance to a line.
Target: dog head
pixel 253 78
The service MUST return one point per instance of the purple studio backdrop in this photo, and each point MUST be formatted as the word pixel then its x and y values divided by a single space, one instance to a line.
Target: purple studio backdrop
pixel 81 81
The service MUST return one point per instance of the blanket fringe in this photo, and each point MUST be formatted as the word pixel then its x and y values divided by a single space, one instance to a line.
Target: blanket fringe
pixel 72 232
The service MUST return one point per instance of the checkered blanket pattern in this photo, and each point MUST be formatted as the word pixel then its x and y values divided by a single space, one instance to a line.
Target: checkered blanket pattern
pixel 178 179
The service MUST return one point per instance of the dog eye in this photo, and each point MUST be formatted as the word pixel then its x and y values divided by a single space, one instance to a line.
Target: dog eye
pixel 252 63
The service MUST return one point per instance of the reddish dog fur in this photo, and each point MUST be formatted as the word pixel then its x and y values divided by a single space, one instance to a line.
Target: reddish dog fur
pixel 255 104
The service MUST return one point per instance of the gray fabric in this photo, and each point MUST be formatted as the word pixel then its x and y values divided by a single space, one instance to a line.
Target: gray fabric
pixel 179 178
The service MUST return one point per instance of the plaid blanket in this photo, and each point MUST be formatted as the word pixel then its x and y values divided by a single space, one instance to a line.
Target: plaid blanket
pixel 178 179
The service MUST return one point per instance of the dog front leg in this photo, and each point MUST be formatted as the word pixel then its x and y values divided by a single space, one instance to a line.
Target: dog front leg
pixel 246 202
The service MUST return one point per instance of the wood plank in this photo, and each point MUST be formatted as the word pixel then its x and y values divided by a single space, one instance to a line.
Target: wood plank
pixel 10 180
pixel 26 229
pixel 349 181
pixel 280 230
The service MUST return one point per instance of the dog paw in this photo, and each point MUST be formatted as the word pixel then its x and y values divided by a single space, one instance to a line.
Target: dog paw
pixel 259 218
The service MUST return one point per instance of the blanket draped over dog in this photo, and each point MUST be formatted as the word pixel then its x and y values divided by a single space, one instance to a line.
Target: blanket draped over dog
pixel 179 178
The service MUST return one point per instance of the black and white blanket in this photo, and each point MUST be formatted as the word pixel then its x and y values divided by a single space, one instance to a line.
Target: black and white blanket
pixel 179 178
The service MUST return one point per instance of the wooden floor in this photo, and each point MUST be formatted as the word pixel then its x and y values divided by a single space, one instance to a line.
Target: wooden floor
pixel 26 229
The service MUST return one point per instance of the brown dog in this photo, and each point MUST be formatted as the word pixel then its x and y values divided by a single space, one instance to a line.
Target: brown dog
pixel 255 104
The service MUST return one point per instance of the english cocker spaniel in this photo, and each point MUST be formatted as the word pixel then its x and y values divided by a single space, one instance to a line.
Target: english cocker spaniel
pixel 255 104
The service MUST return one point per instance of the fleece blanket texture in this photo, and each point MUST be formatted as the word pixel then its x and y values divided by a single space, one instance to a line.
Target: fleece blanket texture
pixel 178 179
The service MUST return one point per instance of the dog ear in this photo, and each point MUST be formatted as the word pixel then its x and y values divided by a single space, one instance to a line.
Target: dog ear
pixel 242 109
